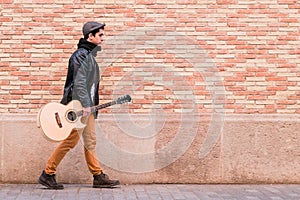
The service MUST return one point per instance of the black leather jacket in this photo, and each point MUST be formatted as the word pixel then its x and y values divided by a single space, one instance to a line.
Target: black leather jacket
pixel 82 82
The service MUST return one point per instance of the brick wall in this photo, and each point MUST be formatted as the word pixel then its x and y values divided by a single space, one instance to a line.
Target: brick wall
pixel 249 48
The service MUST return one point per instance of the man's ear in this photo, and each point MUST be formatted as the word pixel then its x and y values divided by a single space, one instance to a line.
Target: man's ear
pixel 91 35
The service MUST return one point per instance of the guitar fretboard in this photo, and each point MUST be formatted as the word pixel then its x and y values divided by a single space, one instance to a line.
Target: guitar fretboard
pixel 96 108
pixel 105 105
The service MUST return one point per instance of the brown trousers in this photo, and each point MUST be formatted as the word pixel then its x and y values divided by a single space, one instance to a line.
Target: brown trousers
pixel 89 140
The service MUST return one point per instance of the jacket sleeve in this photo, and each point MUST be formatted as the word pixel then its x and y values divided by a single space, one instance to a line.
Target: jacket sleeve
pixel 80 80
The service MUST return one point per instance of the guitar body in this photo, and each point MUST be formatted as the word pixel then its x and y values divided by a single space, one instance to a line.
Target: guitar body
pixel 57 120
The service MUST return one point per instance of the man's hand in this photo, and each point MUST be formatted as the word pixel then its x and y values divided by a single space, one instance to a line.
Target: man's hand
pixel 86 111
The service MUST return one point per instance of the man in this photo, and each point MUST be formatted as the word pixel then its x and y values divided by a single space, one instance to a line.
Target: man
pixel 82 84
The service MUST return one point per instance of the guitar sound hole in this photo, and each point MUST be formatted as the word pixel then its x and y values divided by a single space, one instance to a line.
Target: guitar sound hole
pixel 72 116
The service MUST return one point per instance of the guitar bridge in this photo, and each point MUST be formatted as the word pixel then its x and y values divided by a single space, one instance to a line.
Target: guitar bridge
pixel 58 120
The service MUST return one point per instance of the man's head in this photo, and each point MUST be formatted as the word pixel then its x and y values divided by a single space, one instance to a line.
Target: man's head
pixel 93 32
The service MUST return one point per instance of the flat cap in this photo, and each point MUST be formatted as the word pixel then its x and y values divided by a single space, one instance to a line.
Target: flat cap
pixel 88 27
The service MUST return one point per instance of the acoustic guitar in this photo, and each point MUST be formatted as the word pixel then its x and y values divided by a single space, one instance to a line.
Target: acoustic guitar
pixel 57 120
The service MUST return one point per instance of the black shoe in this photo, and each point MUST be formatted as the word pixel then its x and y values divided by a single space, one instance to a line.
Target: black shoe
pixel 49 181
pixel 103 181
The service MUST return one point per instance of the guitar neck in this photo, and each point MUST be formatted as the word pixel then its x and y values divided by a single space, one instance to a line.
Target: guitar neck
pixel 98 107
pixel 105 105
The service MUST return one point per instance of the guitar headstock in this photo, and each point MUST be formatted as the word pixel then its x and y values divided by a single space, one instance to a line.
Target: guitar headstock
pixel 124 99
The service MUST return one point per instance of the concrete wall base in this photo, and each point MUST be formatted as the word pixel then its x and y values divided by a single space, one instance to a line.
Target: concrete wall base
pixel 247 149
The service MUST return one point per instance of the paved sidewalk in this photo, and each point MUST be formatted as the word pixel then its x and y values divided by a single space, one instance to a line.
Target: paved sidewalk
pixel 153 191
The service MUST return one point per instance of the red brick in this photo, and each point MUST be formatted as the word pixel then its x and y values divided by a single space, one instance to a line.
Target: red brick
pixel 287 1
pixel 256 97
pixel 19 92
pixel 281 78
pixel 227 1
pixel 236 88
pixel 6 1
pixel 294 97
pixel 4 82
pixel 6 19
pixel 277 88
pixel 287 102
pixel 42 83
pixel 145 2
pixel 30 87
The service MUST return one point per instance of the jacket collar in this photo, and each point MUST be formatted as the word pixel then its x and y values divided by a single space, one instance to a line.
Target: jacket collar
pixel 83 43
